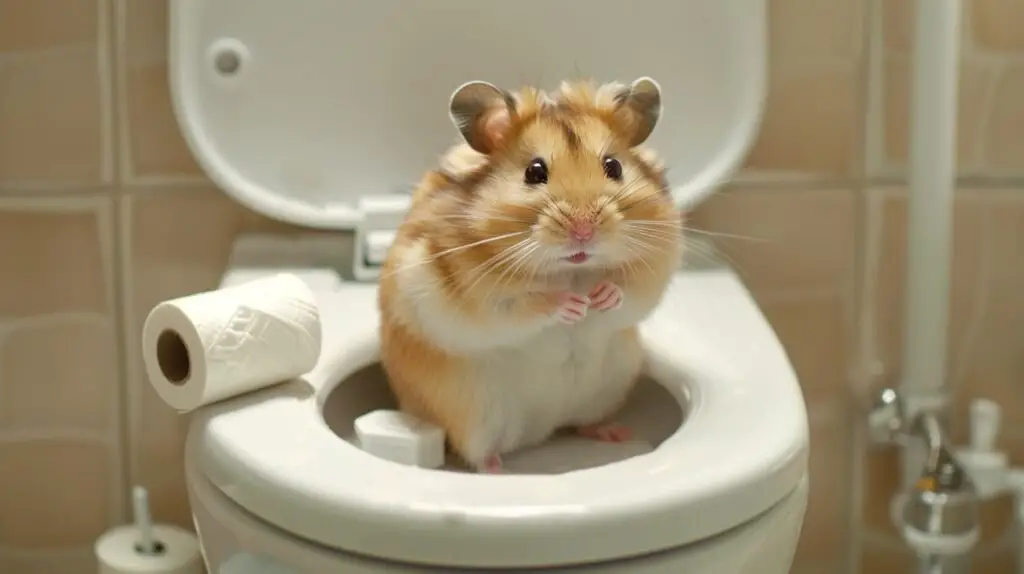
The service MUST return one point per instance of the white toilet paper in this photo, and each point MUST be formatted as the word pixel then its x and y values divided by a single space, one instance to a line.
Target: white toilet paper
pixel 204 348
pixel 178 553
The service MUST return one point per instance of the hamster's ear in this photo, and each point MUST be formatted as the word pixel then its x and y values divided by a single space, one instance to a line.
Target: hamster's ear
pixel 483 114
pixel 639 108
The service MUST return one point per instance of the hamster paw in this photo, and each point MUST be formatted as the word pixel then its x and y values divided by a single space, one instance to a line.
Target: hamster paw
pixel 571 308
pixel 492 465
pixel 606 296
pixel 606 432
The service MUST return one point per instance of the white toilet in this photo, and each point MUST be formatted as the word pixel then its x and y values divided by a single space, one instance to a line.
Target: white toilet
pixel 322 113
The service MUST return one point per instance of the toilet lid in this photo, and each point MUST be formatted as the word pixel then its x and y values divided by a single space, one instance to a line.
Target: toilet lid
pixel 742 449
pixel 299 113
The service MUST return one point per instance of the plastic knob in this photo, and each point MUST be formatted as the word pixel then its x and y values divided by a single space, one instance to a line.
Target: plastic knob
pixel 986 416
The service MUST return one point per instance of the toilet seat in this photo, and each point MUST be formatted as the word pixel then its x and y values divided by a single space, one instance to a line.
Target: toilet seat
pixel 273 454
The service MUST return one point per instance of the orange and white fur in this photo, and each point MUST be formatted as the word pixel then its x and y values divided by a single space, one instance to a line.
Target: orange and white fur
pixel 510 299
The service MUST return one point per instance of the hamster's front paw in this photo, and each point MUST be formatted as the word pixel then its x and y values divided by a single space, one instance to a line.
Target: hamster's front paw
pixel 606 296
pixel 570 308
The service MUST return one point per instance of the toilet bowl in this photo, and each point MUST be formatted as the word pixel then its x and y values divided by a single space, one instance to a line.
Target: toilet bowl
pixel 288 112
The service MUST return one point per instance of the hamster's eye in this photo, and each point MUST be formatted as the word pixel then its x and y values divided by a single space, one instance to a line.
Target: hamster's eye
pixel 536 172
pixel 612 168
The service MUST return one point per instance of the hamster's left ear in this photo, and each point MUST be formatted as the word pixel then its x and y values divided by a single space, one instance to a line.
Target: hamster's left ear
pixel 639 109
pixel 483 114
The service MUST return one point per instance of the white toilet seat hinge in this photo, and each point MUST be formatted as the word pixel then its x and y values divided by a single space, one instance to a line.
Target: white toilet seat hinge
pixel 379 218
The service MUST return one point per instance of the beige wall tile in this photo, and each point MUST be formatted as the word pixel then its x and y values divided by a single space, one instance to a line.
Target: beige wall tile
pixel 814 331
pixel 890 558
pixel 50 119
pixel 773 254
pixel 156 146
pixel 801 31
pixel 1003 561
pixel 62 375
pixel 53 262
pixel 897 25
pixel 59 496
pixel 145 27
pixel 28 25
pixel 75 561
pixel 811 122
pixel 975 84
pixel 880 479
pixel 998 25
pixel 1003 144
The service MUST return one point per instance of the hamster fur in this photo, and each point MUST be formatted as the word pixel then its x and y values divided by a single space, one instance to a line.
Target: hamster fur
pixel 510 299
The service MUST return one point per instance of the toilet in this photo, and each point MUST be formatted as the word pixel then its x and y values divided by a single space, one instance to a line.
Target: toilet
pixel 322 114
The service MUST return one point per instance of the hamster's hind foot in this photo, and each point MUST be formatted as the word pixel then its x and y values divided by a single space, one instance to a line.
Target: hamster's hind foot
pixel 612 432
pixel 492 465
pixel 606 296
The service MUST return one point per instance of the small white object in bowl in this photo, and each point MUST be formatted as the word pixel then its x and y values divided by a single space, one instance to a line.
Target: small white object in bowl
pixel 401 438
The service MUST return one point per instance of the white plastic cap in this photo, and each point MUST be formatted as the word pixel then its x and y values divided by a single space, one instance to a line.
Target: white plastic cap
pixel 986 416
pixel 401 438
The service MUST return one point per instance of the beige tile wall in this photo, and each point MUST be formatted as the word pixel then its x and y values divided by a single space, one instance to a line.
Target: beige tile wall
pixel 93 173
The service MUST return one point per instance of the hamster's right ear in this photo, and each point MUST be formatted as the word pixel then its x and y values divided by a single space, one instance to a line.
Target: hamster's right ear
pixel 483 114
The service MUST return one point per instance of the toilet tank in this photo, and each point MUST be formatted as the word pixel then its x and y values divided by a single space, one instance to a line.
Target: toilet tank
pixel 299 109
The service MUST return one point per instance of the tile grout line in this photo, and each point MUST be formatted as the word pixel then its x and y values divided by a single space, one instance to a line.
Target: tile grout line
pixel 125 412
pixel 105 61
pixel 120 157
pixel 871 129
pixel 108 240
pixel 119 43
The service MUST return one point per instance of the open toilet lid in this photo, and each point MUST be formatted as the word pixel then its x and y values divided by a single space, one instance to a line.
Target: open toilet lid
pixel 297 113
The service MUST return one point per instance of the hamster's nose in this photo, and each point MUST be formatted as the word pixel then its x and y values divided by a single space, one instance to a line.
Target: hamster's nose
pixel 581 231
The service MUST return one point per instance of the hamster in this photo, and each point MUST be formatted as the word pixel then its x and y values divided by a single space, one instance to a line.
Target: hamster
pixel 510 298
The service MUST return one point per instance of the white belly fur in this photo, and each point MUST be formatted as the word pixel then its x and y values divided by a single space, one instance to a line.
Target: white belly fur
pixel 565 376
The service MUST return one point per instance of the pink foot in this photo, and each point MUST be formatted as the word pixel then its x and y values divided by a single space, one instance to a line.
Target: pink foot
pixel 572 308
pixel 606 296
pixel 492 465
pixel 606 432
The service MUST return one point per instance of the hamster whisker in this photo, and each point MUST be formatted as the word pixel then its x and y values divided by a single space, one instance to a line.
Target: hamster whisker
pixel 473 218
pixel 673 230
pixel 491 263
pixel 726 235
pixel 657 235
pixel 523 255
pixel 454 250
pixel 558 207
pixel 653 223
pixel 706 252
pixel 623 192
pixel 659 245
pixel 640 252
pixel 631 271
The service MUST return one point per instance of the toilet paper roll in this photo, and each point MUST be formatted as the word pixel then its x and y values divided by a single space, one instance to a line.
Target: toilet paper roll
pixel 208 347
pixel 177 552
